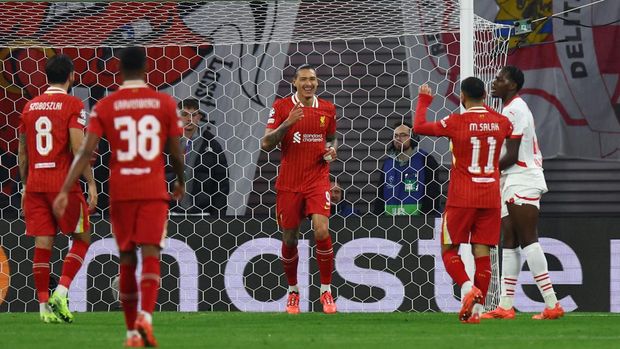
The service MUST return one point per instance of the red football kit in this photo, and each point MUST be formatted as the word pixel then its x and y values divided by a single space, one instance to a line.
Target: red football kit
pixel 303 177
pixel 473 201
pixel 45 122
pixel 137 122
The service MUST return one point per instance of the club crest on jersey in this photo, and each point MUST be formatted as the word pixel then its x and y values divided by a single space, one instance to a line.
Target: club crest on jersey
pixel 322 120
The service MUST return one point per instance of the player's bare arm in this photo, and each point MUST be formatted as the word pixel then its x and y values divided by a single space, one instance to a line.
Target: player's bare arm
pixel 76 137
pixel 80 162
pixel 331 147
pixel 22 156
pixel 512 153
pixel 273 137
pixel 176 158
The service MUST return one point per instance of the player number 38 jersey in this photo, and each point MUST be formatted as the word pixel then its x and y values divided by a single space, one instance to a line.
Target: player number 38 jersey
pixel 137 122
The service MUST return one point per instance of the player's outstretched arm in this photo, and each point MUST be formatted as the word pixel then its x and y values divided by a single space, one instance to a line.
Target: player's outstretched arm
pixel 273 137
pixel 420 125
pixel 77 137
pixel 512 153
pixel 176 158
pixel 80 161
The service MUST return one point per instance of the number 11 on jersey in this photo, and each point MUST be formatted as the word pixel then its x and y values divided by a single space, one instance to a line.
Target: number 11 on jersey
pixel 475 156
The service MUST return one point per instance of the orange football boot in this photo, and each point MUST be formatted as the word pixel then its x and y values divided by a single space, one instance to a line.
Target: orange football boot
pixel 471 298
pixel 550 314
pixel 500 313
pixel 329 307
pixel 292 304
pixel 146 331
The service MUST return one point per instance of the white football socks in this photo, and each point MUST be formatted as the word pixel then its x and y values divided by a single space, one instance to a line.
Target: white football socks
pixel 61 291
pixel 466 287
pixel 326 288
pixel 511 266
pixel 537 262
pixel 293 288
pixel 131 333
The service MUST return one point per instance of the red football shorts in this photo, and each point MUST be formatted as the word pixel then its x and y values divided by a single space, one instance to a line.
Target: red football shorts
pixel 139 222
pixel 40 220
pixel 470 225
pixel 292 207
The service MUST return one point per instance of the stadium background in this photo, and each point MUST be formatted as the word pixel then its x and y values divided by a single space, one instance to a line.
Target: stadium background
pixel 580 142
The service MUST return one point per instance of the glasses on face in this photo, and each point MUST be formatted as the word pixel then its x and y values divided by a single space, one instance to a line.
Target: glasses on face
pixel 401 135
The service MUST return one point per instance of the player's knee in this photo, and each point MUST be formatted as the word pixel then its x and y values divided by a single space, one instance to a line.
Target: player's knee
pixel 289 238
pixel 128 258
pixel 525 242
pixel 83 237
pixel 321 232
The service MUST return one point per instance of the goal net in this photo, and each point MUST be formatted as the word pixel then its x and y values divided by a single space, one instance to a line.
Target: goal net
pixel 236 58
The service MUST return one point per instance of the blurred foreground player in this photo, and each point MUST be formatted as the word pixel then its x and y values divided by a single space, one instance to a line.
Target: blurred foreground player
pixel 472 213
pixel 138 122
pixel 50 132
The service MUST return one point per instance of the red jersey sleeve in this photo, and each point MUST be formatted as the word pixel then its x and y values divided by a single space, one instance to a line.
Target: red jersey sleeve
pixel 275 115
pixel 77 115
pixel 176 125
pixel 422 127
pixel 94 123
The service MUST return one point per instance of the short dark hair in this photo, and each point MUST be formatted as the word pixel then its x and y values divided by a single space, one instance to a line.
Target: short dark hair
pixel 473 88
pixel 189 103
pixel 133 60
pixel 515 74
pixel 302 67
pixel 58 69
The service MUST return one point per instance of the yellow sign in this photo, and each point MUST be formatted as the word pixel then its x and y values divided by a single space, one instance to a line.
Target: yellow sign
pixel 510 11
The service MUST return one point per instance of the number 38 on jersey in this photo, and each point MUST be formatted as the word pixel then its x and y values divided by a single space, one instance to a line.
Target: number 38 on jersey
pixel 142 137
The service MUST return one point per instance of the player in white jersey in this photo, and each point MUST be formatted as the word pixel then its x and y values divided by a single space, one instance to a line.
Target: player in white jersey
pixel 522 185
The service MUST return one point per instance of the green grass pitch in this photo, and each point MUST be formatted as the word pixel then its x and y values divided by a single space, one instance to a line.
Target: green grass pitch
pixel 316 330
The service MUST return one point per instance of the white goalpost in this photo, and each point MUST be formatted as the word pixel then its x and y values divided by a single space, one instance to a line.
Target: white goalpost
pixel 236 57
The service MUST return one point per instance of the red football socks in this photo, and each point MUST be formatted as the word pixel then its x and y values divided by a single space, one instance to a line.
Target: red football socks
pixel 325 259
pixel 41 272
pixel 73 262
pixel 149 283
pixel 454 266
pixel 482 278
pixel 290 259
pixel 129 294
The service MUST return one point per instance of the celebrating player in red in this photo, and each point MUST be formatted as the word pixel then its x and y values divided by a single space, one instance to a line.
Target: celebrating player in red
pixel 305 128
pixel 50 132
pixel 472 211
pixel 138 122
pixel 523 185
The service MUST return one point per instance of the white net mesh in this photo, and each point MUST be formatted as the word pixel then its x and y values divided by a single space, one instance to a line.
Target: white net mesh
pixel 235 58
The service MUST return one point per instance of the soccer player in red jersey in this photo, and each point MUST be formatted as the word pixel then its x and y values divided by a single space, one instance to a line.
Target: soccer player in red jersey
pixel 137 122
pixel 472 213
pixel 305 127
pixel 50 132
